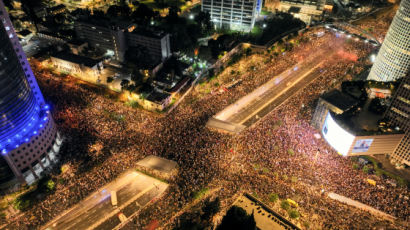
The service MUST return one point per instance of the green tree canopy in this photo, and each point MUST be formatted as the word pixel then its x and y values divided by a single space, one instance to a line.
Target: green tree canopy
pixel 210 208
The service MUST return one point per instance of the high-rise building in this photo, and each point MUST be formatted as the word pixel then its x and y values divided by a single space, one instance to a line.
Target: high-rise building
pixel 233 14
pixel 102 34
pixel 305 10
pixel 399 115
pixel 157 43
pixel 115 37
pixel 29 140
pixel 393 60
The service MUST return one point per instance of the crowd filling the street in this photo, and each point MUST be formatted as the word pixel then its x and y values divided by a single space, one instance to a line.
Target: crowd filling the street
pixel 279 154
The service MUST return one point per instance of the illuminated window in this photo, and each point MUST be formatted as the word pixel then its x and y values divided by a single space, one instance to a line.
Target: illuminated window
pixel 400 112
pixel 404 100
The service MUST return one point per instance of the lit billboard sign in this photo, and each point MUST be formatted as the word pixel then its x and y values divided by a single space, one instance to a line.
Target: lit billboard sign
pixel 362 145
pixel 336 136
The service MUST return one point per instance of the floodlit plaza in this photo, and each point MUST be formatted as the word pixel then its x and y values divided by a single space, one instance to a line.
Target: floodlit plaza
pixel 240 135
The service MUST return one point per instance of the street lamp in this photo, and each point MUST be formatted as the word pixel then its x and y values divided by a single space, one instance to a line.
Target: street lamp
pixel 191 16
pixel 373 58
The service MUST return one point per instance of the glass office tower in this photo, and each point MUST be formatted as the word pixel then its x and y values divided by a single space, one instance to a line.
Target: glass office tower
pixel 399 114
pixel 393 60
pixel 28 137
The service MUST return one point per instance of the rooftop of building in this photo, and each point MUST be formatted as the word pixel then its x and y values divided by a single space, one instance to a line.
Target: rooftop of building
pixel 104 21
pixel 24 32
pixel 49 33
pixel 169 79
pixel 158 97
pixel 57 8
pixel 340 100
pixel 264 216
pixel 360 117
pixel 381 85
pixel 82 60
pixel 151 32
pixel 171 75
pixel 302 2
pixel 76 42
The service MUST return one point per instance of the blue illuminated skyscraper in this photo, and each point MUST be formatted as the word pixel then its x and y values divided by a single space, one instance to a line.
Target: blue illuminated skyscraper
pixel 28 138
pixel 259 4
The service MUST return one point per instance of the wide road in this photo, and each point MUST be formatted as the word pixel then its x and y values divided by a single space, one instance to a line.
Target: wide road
pixel 261 101
pixel 283 97
pixel 97 208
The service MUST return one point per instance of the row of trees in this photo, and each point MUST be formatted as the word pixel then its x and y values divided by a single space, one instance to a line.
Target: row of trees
pixel 237 218
pixel 202 219
pixel 275 26
pixel 185 32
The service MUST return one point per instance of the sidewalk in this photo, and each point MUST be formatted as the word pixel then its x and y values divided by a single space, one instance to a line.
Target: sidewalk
pixel 359 205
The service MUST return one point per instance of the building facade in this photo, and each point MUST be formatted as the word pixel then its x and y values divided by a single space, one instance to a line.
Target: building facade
pixel 233 14
pixel 399 115
pixel 103 35
pixel 158 44
pixel 114 37
pixel 53 11
pixel 305 10
pixel 347 142
pixel 393 60
pixel 334 101
pixel 85 68
pixel 29 141
pixel 336 117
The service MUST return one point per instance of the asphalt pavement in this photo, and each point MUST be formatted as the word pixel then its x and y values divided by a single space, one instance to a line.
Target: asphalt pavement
pixel 250 108
pixel 92 212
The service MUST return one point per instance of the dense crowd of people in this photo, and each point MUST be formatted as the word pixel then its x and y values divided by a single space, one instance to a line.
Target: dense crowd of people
pixel 104 137
pixel 378 27
pixel 284 143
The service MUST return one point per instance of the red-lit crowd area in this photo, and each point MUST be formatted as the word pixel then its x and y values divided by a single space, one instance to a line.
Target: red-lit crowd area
pixel 279 154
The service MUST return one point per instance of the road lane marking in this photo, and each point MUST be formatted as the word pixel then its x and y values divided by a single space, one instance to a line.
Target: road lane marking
pixel 278 94
pixel 134 198
pixel 83 206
